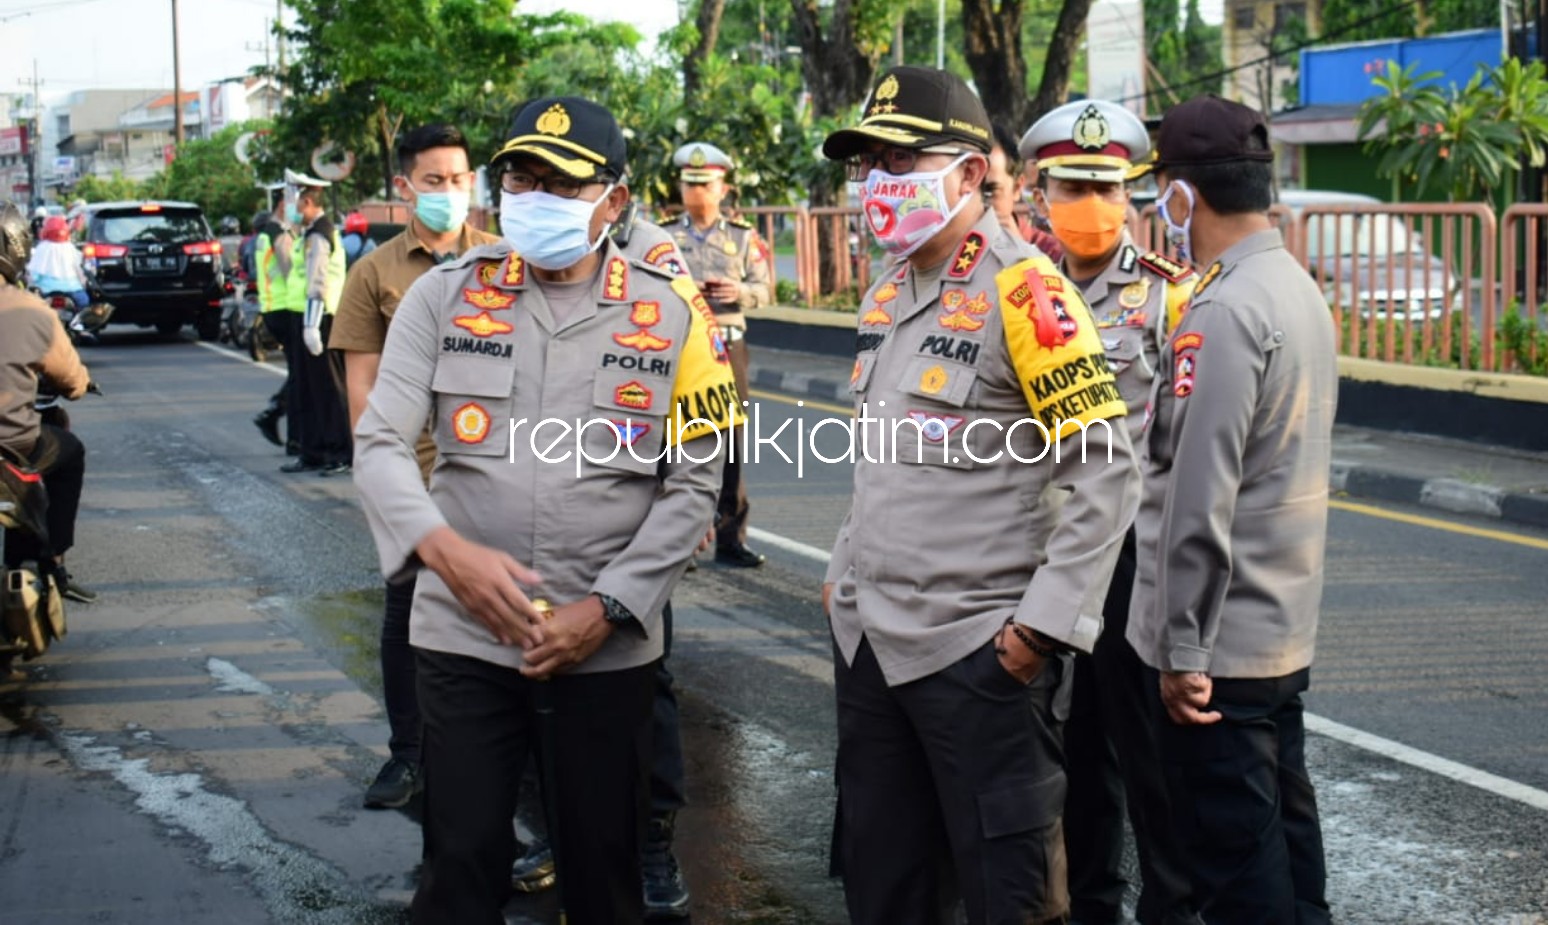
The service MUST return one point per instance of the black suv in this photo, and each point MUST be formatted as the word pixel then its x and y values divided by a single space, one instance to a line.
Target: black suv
pixel 157 263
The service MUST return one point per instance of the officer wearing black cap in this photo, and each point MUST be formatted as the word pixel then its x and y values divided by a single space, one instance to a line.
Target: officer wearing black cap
pixel 980 540
pixel 731 265
pixel 621 367
pixel 1084 153
pixel 1232 527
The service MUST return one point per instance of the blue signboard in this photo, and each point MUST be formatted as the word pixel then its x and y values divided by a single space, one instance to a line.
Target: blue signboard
pixel 1341 74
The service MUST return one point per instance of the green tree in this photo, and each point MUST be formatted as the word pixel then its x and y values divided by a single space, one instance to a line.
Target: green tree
pixel 93 188
pixel 1185 52
pixel 207 172
pixel 1469 141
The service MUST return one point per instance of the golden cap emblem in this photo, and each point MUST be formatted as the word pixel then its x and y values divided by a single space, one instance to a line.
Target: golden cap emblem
pixel 887 89
pixel 555 121
pixel 696 159
pixel 1091 130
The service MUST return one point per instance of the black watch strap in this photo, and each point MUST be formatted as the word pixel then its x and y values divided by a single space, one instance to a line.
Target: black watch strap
pixel 615 612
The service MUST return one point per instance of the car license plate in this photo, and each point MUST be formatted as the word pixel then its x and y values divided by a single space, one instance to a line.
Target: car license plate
pixel 155 264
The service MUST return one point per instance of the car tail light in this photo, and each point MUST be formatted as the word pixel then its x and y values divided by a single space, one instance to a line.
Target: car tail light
pixel 60 302
pixel 150 207
pixel 202 249
pixel 104 251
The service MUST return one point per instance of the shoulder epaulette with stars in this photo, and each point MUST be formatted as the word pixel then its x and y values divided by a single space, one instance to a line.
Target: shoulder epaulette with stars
pixel 969 252
pixel 740 223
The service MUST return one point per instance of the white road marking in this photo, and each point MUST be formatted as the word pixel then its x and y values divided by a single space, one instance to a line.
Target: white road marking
pixel 233 680
pixel 1397 751
pixel 230 354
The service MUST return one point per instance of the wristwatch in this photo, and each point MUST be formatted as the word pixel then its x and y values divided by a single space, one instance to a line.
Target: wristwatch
pixel 615 612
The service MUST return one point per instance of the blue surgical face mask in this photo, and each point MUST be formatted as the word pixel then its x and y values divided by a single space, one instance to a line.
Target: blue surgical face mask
pixel 1179 236
pixel 548 231
pixel 442 212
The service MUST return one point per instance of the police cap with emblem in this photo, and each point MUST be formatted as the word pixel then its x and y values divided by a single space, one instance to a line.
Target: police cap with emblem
pixel 1087 140
pixel 701 162
pixel 916 107
pixel 1209 130
pixel 574 136
pixel 300 180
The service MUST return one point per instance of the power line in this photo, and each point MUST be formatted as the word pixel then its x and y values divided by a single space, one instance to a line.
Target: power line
pixel 1272 55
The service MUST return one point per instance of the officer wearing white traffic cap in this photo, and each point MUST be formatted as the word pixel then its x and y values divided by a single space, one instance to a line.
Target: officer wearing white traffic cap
pixel 1085 151
pixel 731 265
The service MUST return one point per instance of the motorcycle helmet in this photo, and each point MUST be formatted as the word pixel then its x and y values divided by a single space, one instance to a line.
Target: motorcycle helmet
pixel 15 242
pixel 55 228
pixel 230 226
pixel 355 223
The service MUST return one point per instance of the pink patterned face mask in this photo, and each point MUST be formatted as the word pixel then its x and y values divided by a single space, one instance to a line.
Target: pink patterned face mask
pixel 906 210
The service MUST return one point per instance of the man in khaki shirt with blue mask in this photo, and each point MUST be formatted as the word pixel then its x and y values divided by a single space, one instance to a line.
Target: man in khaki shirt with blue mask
pixel 555 374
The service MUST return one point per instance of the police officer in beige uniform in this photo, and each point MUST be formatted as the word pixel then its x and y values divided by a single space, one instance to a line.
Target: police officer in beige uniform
pixel 727 259
pixel 958 583
pixel 1232 527
pixel 522 356
pixel 1084 153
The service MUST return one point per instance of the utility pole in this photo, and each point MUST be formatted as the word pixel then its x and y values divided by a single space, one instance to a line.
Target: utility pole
pixel 254 46
pixel 30 132
pixel 279 31
pixel 177 85
pixel 940 35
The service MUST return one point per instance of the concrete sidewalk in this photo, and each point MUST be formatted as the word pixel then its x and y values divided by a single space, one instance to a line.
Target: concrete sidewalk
pixel 1451 475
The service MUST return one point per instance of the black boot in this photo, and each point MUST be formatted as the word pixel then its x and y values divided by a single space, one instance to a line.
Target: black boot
pixel 268 424
pixel 666 896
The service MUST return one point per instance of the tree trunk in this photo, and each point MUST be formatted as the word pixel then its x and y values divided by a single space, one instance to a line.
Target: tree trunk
pixel 708 21
pixel 995 57
pixel 837 75
pixel 1055 86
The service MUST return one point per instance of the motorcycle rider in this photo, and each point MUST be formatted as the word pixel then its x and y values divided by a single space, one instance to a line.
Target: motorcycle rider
pixel 56 265
pixel 33 343
pixel 356 242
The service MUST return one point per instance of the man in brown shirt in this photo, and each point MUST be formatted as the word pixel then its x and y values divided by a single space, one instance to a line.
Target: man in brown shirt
pixel 33 344
pixel 435 177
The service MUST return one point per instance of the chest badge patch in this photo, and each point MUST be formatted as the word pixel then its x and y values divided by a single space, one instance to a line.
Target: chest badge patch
pixel 488 272
pixel 730 248
pixel 935 428
pixel 933 380
pixel 886 293
pixel 644 314
pixel 633 395
pixel 877 315
pixel 1135 294
pixel 470 423
pixel 492 300
pixel 629 432
pixel 960 321
pixel 482 325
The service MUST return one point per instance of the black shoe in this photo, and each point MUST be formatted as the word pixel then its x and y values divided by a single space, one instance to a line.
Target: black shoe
pixel 268 425
pixel 739 556
pixel 72 589
pixel 666 896
pixel 292 448
pixel 395 784
pixel 337 468
pixel 533 872
pixel 301 464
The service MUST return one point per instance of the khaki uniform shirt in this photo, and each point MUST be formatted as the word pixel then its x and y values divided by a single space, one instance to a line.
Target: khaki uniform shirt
pixel 948 534
pixel 372 291
pixel 475 352
pixel 729 250
pixel 32 341
pixel 1234 516
pixel 1136 301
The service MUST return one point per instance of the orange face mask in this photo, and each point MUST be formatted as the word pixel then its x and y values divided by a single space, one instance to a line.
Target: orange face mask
pixel 1088 227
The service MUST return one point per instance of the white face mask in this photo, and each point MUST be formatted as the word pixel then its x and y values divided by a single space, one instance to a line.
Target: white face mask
pixel 1179 236
pixel 548 231
pixel 906 210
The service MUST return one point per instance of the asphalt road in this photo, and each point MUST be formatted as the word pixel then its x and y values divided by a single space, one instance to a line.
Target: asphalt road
pixel 195 750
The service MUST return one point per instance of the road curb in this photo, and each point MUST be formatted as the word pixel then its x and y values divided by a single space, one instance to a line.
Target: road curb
pixel 1454 496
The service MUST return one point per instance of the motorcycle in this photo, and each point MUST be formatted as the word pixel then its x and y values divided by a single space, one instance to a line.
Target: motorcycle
pixel 241 324
pixel 32 612
pixel 82 324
